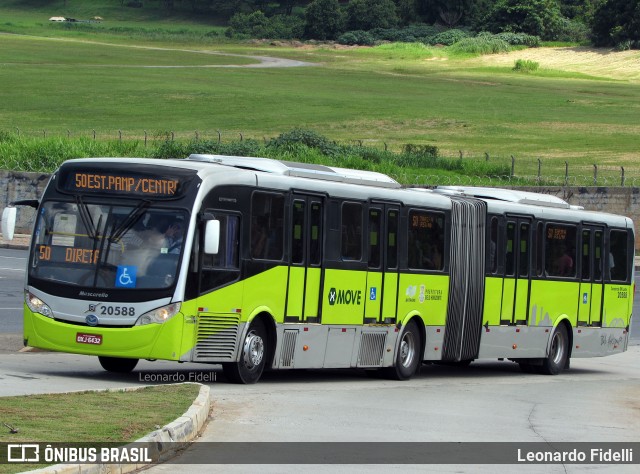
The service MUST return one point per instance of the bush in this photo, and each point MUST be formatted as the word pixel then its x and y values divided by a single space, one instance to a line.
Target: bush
pixel 481 45
pixel 525 65
pixel 359 37
pixel 257 25
pixel 309 138
pixel 448 37
pixel 519 39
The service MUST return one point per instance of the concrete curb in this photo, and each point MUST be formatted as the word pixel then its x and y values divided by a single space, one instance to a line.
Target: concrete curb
pixel 163 443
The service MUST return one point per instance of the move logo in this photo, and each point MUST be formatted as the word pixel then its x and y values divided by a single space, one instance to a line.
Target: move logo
pixel 345 297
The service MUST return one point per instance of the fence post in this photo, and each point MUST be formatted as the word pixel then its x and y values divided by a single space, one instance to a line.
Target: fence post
pixel 486 156
pixel 539 169
pixel 622 176
pixel 460 151
pixel 172 136
pixel 240 136
pixel 18 130
pixel 595 175
pixel 385 146
pixel 513 166
pixel 44 134
pixel 145 139
pixel 120 135
pixel 219 135
pixel 196 135
pixel 94 135
pixel 566 173
pixel 68 133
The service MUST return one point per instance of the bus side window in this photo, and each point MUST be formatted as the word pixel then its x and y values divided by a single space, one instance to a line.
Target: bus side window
pixel 597 256
pixel 586 255
pixel 297 232
pixel 267 226
pixel 375 218
pixel 392 240
pixel 493 246
pixel 560 250
pixel 510 261
pixel 617 258
pixel 223 267
pixel 351 231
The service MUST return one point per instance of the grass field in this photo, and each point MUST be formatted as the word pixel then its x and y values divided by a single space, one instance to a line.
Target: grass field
pixel 106 415
pixel 568 110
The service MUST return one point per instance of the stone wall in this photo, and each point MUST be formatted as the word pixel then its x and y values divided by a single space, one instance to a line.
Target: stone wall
pixel 18 185
pixel 615 200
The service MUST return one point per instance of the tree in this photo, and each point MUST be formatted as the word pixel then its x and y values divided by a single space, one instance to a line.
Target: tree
pixel 534 17
pixel 324 20
pixel 369 14
pixel 617 23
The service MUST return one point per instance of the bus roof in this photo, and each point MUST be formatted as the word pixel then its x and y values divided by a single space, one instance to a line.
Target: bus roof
pixel 301 170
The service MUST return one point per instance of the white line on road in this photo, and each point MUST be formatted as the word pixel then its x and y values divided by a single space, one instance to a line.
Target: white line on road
pixel 9 308
pixel 15 258
pixel 14 269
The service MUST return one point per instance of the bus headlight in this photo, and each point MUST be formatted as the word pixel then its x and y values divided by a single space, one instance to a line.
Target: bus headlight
pixel 159 315
pixel 36 305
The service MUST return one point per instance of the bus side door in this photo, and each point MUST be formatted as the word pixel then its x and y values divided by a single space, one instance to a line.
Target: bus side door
pixel 591 271
pixel 382 274
pixel 516 284
pixel 305 269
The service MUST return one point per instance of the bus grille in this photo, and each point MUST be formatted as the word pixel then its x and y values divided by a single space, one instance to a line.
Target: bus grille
pixel 371 349
pixel 217 337
pixel 288 347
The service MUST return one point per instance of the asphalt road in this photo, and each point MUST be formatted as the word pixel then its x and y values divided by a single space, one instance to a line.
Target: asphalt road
pixel 12 269
pixel 489 401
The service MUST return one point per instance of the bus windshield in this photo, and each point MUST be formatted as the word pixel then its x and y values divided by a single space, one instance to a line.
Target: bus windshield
pixel 107 245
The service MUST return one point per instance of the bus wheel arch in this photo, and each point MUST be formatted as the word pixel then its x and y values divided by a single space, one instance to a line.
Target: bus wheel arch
pixel 256 351
pixel 559 349
pixel 409 351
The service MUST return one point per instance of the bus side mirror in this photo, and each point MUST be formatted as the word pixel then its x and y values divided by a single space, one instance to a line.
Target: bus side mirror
pixel 211 237
pixel 8 222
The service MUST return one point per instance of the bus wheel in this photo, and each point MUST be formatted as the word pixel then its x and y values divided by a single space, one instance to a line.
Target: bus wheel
pixel 252 359
pixel 117 364
pixel 408 357
pixel 558 352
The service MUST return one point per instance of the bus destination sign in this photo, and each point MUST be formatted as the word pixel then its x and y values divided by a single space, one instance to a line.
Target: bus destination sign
pixel 107 182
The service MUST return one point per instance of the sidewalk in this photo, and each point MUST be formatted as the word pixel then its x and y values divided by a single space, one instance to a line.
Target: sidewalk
pixel 19 242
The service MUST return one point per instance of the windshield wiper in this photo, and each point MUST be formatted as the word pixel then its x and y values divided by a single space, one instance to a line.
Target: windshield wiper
pixel 86 218
pixel 117 232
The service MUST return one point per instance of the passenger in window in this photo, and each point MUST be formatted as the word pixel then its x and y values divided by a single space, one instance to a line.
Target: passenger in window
pixel 564 263
pixel 173 238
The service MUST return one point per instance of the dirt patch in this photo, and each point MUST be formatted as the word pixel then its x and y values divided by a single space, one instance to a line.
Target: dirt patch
pixel 622 65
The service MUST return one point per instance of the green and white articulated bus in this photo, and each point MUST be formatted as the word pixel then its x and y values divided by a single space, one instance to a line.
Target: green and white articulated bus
pixel 254 263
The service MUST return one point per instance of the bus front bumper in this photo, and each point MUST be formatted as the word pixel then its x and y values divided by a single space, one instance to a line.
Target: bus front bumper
pixel 152 341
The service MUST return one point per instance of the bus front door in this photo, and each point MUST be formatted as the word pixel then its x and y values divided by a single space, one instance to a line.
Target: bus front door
pixel 305 269
pixel 516 285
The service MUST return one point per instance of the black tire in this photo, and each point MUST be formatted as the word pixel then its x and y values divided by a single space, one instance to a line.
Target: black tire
pixel 118 365
pixel 408 357
pixel 556 361
pixel 253 356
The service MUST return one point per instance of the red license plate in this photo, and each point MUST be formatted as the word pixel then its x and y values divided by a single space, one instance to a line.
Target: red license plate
pixel 83 338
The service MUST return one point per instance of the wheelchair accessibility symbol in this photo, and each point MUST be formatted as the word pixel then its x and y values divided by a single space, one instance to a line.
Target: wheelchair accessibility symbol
pixel 126 276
